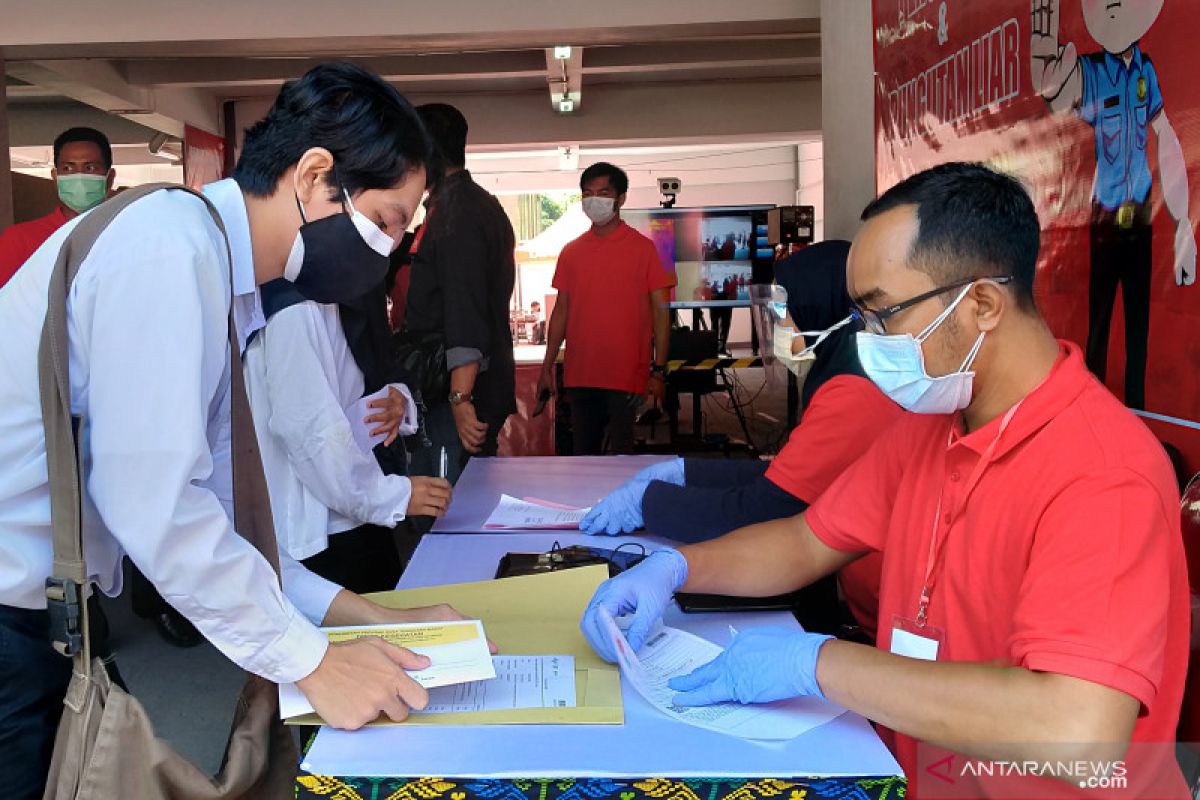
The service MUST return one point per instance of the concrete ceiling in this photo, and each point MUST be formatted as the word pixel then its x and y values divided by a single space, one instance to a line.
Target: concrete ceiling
pixel 722 71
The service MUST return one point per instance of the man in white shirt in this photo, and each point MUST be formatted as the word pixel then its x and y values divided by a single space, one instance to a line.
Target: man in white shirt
pixel 334 507
pixel 330 178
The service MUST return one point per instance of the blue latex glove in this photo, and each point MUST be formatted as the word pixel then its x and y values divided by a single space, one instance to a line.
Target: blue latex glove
pixel 760 665
pixel 621 511
pixel 645 590
pixel 671 471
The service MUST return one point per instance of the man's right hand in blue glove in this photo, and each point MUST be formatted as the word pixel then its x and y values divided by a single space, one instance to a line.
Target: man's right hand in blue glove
pixel 644 590
pixel 621 511
pixel 759 666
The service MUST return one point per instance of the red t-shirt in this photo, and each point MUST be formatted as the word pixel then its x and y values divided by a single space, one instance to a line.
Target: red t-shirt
pixel 841 421
pixel 18 242
pixel 609 325
pixel 1067 556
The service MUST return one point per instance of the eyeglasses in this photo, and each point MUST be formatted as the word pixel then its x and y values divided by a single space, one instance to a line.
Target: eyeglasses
pixel 873 319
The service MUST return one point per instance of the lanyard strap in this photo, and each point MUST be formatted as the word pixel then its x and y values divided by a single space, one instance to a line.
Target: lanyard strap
pixel 416 242
pixel 937 545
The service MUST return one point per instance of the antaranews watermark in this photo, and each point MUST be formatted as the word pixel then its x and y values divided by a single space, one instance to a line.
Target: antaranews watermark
pixel 1088 774
pixel 1146 771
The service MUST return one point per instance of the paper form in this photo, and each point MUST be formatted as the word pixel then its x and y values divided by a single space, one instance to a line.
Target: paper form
pixel 520 682
pixel 528 514
pixel 458 653
pixel 360 411
pixel 526 615
pixel 669 652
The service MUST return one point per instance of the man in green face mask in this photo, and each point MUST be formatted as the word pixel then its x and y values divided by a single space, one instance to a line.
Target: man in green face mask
pixel 83 175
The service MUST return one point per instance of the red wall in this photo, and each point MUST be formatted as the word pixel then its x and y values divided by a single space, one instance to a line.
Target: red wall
pixel 954 82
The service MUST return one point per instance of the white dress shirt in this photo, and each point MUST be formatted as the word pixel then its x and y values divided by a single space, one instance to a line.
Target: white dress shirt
pixel 303 381
pixel 149 361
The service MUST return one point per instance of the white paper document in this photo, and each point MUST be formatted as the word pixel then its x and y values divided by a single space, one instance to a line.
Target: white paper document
pixel 358 412
pixel 362 431
pixel 530 514
pixel 669 652
pixel 520 682
pixel 458 653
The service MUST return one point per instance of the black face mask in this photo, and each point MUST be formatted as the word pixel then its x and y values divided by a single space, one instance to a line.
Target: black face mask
pixel 337 264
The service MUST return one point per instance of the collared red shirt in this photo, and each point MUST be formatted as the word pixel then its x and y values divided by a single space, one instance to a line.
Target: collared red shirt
pixel 303 381
pixel 1067 557
pixel 845 416
pixel 147 319
pixel 20 241
pixel 608 280
pixel 1120 101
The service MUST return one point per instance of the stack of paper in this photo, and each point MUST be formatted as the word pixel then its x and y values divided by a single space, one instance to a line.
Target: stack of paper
pixel 530 615
pixel 457 651
pixel 670 652
pixel 520 682
pixel 532 514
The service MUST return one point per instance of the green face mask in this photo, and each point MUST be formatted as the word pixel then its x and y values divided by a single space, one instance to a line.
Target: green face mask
pixel 81 192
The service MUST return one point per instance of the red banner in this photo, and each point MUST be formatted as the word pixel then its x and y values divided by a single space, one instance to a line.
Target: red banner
pixel 1095 106
pixel 203 157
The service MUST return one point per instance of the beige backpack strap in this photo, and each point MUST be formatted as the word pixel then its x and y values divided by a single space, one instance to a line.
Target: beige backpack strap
pixel 67 587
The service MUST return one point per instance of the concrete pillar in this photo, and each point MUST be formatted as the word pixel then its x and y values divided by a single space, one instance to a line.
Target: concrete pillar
pixel 6 195
pixel 847 113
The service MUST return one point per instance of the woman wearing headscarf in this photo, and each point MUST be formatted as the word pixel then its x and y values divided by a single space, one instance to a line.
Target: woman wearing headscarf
pixel 695 499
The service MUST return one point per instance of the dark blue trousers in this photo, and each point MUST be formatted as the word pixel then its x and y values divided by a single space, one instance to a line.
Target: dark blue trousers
pixel 33 682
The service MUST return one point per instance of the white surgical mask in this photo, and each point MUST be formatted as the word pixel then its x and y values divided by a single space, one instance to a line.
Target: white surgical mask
pixel 599 209
pixel 799 363
pixel 896 363
pixel 371 233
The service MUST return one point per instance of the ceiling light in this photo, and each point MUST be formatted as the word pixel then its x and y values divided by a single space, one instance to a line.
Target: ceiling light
pixel 562 52
pixel 566 105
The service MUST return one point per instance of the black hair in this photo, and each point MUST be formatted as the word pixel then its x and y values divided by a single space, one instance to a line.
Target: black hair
pixel 374 134
pixel 973 222
pixel 447 128
pixel 602 169
pixel 84 135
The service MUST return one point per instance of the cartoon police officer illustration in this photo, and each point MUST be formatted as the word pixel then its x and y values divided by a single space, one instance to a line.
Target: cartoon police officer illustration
pixel 1116 91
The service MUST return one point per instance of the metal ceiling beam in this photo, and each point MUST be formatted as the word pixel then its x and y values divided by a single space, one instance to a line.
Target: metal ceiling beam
pixel 227 72
pixel 496 65
pixel 101 85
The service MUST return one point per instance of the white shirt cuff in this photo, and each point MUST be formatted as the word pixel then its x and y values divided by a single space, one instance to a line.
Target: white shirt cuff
pixel 409 426
pixel 292 656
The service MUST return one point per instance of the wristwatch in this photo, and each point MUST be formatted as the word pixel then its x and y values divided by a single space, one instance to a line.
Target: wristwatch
pixel 458 398
pixel 658 369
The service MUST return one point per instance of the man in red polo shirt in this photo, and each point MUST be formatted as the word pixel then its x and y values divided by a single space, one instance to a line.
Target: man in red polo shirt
pixel 696 499
pixel 1033 602
pixel 612 310
pixel 83 175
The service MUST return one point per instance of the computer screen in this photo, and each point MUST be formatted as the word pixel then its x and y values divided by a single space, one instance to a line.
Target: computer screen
pixel 715 253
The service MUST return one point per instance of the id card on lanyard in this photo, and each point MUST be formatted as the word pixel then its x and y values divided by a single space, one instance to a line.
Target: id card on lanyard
pixel 915 637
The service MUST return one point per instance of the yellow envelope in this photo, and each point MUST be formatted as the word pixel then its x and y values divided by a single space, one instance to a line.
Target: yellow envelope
pixel 527 615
